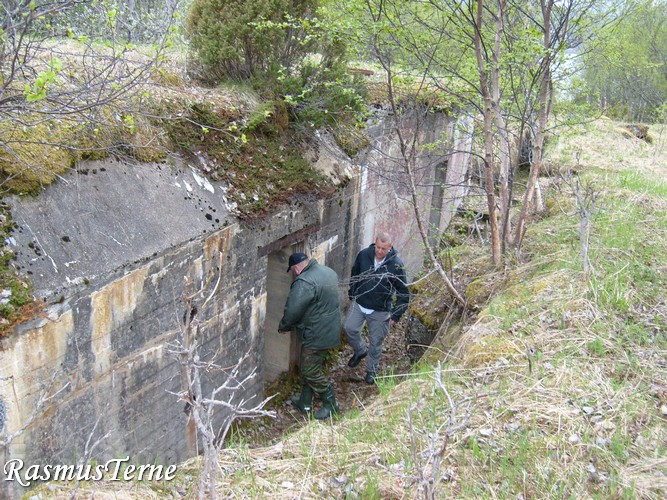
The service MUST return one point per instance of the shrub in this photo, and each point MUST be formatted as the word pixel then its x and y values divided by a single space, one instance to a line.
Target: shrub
pixel 283 50
pixel 236 39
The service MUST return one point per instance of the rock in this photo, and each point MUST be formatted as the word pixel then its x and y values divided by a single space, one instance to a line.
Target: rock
pixel 417 337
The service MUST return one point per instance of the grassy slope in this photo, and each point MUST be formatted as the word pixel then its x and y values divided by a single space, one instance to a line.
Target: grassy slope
pixel 557 388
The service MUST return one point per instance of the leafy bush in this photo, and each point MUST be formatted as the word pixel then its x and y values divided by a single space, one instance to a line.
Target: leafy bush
pixel 237 39
pixel 319 96
pixel 286 52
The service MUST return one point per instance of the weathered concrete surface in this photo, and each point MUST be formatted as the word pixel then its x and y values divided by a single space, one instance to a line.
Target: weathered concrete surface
pixel 105 215
pixel 114 250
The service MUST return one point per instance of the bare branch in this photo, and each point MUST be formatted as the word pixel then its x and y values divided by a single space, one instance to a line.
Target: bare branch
pixel 227 396
pixel 45 396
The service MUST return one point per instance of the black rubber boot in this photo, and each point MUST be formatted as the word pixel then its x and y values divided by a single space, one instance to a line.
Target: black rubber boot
pixel 356 359
pixel 329 405
pixel 305 400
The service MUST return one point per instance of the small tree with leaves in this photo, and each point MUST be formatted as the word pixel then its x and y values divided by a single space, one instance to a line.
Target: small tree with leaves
pixel 283 49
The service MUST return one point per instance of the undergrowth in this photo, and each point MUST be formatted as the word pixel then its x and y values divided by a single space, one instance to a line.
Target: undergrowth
pixel 263 167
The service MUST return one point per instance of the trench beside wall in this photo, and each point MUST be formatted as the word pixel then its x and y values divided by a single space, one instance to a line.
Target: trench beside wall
pixel 114 252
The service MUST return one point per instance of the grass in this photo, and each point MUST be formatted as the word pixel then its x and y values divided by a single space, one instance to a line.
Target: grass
pixel 553 390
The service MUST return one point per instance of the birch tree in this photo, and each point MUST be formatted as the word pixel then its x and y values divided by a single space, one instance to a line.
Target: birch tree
pixel 489 76
pixel 562 25
pixel 502 59
pixel 389 35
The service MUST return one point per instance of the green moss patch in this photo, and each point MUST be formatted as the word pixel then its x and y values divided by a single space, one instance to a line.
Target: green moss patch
pixel 262 171
pixel 32 156
pixel 15 290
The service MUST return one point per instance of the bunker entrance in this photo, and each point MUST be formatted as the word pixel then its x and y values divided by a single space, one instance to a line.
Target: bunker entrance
pixel 281 351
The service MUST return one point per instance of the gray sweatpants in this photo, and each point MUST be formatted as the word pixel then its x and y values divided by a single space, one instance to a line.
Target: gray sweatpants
pixel 378 328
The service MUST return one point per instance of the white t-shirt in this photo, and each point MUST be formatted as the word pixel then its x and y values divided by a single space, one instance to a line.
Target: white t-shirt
pixel 363 309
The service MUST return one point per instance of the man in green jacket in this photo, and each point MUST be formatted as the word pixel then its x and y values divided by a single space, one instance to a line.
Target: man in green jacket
pixel 313 310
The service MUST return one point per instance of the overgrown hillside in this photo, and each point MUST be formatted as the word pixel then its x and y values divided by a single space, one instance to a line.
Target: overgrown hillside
pixel 555 386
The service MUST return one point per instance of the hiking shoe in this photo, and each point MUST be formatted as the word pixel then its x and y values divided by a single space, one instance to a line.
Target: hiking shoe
pixel 356 359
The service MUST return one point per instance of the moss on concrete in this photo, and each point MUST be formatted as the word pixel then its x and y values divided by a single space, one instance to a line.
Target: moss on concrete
pixel 15 290
pixel 261 170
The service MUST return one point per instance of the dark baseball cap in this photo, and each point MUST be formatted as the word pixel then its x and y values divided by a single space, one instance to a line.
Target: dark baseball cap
pixel 296 258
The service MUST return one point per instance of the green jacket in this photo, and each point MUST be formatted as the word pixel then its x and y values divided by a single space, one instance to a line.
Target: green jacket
pixel 313 308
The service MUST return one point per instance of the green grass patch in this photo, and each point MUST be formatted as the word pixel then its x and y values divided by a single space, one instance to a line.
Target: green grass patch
pixel 640 183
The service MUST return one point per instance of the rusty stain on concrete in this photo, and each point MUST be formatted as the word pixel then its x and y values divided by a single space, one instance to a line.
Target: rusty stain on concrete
pixel 112 306
pixel 30 361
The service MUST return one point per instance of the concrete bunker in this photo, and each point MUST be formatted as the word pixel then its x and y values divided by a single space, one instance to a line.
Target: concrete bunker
pixel 150 230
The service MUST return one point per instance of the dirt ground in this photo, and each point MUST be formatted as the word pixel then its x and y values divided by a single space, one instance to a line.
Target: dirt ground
pixel 352 392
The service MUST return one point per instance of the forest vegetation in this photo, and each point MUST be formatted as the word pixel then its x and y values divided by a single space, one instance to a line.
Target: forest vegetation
pixel 547 377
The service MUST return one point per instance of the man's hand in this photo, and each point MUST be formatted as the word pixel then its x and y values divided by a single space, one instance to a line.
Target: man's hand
pixel 392 322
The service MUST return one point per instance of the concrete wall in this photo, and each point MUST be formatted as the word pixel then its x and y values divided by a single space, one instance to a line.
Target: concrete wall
pixel 385 198
pixel 112 253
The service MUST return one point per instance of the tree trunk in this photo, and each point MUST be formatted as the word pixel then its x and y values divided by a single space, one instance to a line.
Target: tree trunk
pixel 542 116
pixel 408 158
pixel 501 128
pixel 488 139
